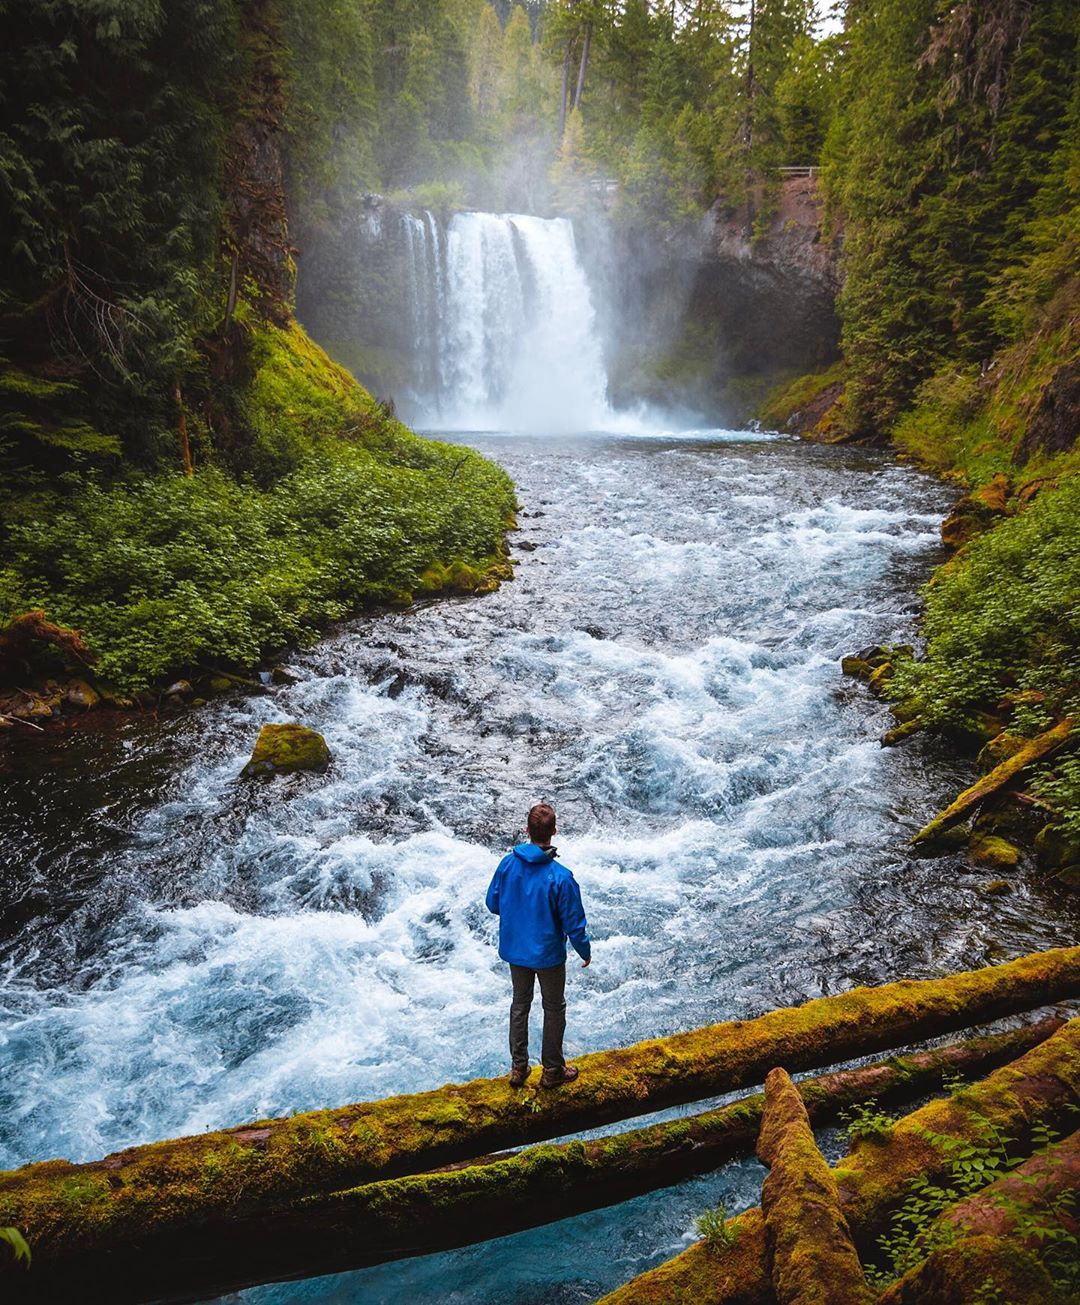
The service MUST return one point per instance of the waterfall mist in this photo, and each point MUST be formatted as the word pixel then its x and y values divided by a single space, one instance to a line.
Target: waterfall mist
pixel 504 328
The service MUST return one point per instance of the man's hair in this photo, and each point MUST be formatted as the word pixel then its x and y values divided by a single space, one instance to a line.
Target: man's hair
pixel 541 822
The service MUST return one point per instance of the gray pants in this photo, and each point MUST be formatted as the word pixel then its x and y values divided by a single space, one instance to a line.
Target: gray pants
pixel 552 990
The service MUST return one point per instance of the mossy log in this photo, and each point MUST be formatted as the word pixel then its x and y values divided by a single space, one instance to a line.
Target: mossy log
pixel 812 1259
pixel 170 1188
pixel 499 1194
pixel 997 1210
pixel 977 1269
pixel 997 779
pixel 1043 1086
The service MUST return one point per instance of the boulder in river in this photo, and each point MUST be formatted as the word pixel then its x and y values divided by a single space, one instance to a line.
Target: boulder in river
pixel 999 853
pixel 281 749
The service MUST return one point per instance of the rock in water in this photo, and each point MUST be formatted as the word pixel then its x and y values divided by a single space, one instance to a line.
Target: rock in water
pixel 281 749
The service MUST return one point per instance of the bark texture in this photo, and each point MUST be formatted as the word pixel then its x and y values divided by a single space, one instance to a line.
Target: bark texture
pixel 812 1258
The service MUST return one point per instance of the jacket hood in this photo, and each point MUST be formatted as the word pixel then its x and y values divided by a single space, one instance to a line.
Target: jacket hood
pixel 534 854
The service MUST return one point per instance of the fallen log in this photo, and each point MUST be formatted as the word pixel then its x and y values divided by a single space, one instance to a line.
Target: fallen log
pixel 498 1194
pixel 812 1259
pixel 997 779
pixel 1029 1211
pixel 974 1269
pixel 1042 1087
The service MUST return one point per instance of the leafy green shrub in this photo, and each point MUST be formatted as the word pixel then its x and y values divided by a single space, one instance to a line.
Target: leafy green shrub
pixel 865 1120
pixel 1004 616
pixel 18 1245
pixel 1038 1220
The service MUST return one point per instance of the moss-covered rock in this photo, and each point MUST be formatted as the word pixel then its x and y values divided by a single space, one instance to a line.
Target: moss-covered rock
pixel 997 888
pixel 281 749
pixel 1000 748
pixel 1056 847
pixel 998 853
pixel 81 695
pixel 975 512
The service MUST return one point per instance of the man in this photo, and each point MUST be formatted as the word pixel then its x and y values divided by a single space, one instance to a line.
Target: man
pixel 539 906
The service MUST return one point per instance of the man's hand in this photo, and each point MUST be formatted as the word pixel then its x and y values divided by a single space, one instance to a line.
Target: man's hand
pixel 585 964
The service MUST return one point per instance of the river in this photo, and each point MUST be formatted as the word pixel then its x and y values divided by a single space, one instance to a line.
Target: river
pixel 184 950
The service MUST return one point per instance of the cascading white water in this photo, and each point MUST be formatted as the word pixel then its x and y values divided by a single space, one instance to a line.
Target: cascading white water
pixel 504 326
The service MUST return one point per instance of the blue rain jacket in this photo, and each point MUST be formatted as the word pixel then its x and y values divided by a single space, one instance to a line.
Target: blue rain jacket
pixel 539 906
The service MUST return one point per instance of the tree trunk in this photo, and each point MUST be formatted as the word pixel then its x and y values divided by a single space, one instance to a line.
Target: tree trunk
pixel 1042 1086
pixel 811 1255
pixel 181 427
pixel 565 90
pixel 977 1269
pixel 500 1194
pixel 175 1186
pixel 1007 1238
pixel 997 779
pixel 582 67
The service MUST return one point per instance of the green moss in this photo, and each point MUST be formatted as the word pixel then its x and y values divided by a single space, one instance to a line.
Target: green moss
pixel 1038 1090
pixel 272 1163
pixel 790 397
pixel 281 749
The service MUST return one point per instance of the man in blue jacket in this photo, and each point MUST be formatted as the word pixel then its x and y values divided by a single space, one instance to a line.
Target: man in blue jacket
pixel 539 906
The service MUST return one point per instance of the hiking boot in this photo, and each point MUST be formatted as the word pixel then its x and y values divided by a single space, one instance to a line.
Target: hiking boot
pixel 553 1077
pixel 518 1075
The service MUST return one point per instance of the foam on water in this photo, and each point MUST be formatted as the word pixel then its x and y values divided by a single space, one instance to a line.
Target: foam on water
pixel 665 668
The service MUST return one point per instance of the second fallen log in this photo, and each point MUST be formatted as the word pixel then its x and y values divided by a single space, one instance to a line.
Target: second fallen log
pixel 812 1257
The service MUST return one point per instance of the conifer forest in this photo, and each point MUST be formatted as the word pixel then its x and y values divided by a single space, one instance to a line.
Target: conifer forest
pixel 432 431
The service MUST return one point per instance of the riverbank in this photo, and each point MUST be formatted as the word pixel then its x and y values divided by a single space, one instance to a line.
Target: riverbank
pixel 1000 661
pixel 178 585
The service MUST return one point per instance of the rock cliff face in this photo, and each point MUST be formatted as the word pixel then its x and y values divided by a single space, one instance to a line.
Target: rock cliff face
pixel 717 317
pixel 701 318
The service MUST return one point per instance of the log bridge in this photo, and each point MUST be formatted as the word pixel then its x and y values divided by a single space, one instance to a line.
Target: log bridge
pixel 335 1189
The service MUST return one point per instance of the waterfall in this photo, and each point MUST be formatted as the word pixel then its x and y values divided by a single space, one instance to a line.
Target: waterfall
pixel 503 325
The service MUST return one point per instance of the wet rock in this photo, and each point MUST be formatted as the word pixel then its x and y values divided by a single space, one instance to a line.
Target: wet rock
pixel 112 695
pixel 960 528
pixel 82 695
pixel 1053 426
pixel 951 839
pixel 991 850
pixel 1056 847
pixel 281 675
pixel 181 689
pixel 996 888
pixel 900 732
pixel 527 546
pixel 282 749
pixel 975 512
pixel 1069 878
pixel 856 667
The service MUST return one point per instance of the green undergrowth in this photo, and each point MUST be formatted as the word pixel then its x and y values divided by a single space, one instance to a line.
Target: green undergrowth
pixel 327 504
pixel 791 396
pixel 917 1228
pixel 1002 618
